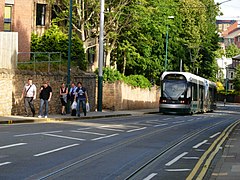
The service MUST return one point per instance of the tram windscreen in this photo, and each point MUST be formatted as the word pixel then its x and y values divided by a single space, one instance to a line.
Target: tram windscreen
pixel 174 87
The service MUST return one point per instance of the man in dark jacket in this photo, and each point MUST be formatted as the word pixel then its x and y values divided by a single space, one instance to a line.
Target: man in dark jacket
pixel 45 97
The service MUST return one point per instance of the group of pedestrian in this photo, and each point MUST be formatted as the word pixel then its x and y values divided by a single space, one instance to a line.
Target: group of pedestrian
pixel 76 94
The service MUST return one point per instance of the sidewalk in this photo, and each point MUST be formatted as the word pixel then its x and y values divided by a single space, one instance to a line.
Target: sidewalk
pixel 228 166
pixel 68 117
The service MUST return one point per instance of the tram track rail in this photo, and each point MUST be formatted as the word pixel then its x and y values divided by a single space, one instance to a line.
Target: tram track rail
pixel 103 151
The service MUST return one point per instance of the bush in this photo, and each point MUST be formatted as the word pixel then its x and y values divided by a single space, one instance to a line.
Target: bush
pixel 111 75
pixel 54 40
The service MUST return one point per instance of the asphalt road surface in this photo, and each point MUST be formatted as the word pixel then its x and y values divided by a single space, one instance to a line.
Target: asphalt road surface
pixel 153 146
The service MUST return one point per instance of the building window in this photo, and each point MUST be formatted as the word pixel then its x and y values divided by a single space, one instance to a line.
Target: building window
pixel 41 13
pixel 7 18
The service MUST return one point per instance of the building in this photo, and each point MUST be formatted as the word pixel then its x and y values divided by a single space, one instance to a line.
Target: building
pixel 24 17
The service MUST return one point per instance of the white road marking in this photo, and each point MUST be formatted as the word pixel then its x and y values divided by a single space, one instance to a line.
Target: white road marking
pixel 84 128
pixel 104 137
pixel 87 132
pixel 12 145
pixel 167 118
pixel 150 176
pixel 178 122
pixel 190 157
pixel 177 170
pixel 64 137
pixel 5 163
pixel 176 159
pixel 39 133
pixel 55 150
pixel 200 150
pixel 136 129
pixel 199 144
pixel 214 135
pixel 110 129
pixel 190 120
pixel 158 125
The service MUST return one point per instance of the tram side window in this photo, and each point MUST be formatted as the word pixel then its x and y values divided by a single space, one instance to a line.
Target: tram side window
pixel 195 92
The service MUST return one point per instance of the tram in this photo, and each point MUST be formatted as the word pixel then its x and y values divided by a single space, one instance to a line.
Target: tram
pixel 183 92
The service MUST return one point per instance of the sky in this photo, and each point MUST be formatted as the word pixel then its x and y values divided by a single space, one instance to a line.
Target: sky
pixel 230 10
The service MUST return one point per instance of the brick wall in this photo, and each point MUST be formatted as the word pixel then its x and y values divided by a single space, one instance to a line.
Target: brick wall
pixel 119 96
pixel 22 23
pixel 2 3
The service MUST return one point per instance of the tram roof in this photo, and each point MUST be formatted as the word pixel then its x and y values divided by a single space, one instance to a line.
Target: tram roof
pixel 188 76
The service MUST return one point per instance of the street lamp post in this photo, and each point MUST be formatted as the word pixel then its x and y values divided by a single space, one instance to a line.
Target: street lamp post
pixel 166 60
pixel 100 66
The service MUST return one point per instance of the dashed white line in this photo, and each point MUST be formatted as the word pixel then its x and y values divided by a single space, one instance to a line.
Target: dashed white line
pixel 199 144
pixel 110 129
pixel 214 135
pixel 104 137
pixel 158 125
pixel 136 129
pixel 31 134
pixel 190 120
pixel 150 176
pixel 55 150
pixel 12 145
pixel 5 163
pixel 190 157
pixel 65 137
pixel 176 122
pixel 176 159
pixel 87 132
pixel 177 170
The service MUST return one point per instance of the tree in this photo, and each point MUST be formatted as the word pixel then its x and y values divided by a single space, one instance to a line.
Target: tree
pixel 232 50
pixel 236 81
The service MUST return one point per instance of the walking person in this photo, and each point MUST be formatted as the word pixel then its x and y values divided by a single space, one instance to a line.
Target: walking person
pixel 71 98
pixel 81 97
pixel 45 97
pixel 29 94
pixel 63 91
pixel 72 92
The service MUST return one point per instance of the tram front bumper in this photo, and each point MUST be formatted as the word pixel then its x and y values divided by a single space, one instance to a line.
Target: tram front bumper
pixel 175 108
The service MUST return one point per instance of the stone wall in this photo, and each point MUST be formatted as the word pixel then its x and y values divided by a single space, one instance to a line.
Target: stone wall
pixel 6 86
pixel 119 96
pixel 55 79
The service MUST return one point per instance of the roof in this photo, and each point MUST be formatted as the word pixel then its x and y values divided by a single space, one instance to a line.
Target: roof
pixel 233 34
pixel 237 57
pixel 189 77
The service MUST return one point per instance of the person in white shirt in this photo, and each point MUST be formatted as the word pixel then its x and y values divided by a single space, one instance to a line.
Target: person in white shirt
pixel 29 94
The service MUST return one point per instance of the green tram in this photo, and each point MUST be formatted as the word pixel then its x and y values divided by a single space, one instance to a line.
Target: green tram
pixel 183 92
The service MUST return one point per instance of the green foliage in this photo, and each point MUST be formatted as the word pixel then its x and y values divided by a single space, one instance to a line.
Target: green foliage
pixel 54 40
pixel 111 75
pixel 141 50
pixel 232 50
pixel 236 81
pixel 137 81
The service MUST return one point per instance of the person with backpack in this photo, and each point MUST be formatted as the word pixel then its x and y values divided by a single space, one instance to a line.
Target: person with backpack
pixel 81 97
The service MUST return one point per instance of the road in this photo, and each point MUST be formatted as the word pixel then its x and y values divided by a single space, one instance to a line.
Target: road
pixel 153 146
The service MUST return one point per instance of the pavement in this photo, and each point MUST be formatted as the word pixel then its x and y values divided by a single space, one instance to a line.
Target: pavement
pixel 68 117
pixel 227 167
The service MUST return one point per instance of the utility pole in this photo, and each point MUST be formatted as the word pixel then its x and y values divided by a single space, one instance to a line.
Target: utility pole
pixel 100 62
pixel 69 44
pixel 69 51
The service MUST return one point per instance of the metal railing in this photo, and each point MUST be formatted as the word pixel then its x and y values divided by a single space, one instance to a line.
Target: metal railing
pixel 42 61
